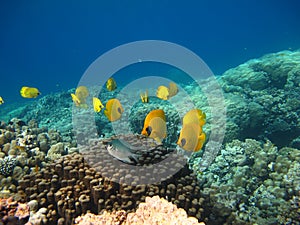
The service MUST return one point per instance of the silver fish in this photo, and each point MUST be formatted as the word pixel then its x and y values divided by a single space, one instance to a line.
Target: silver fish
pixel 122 151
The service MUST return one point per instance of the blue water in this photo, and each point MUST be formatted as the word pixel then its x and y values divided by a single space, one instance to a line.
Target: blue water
pixel 49 44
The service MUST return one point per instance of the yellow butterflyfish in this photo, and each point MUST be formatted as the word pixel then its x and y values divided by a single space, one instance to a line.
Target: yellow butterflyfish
pixel 113 110
pixel 162 92
pixel 111 84
pixel 29 92
pixel 144 97
pixel 173 89
pixel 82 93
pixel 97 104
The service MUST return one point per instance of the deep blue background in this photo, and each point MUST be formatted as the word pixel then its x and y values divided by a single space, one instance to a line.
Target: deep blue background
pixel 49 44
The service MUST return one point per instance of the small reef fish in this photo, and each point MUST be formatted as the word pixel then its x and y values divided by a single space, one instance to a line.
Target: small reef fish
pixel 162 92
pixel 79 98
pixel 111 84
pixel 144 97
pixel 191 137
pixel 166 93
pixel 75 99
pixel 29 92
pixel 97 104
pixel 82 93
pixel 173 89
pixel 155 125
pixel 122 152
pixel 1 100
pixel 113 110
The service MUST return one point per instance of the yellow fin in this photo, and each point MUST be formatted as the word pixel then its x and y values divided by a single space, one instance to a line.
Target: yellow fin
pixel 75 99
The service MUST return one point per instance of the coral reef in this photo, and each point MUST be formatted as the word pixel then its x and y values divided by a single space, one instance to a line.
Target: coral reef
pixel 262 98
pixel 153 211
pixel 23 148
pixel 249 182
pixel 71 186
pixel 252 183
pixel 13 212
pixel 105 218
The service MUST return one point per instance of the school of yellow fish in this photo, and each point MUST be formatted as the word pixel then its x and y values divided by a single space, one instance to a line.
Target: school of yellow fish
pixel 191 137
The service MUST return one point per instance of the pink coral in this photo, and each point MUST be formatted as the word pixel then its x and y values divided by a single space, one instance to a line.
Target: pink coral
pixel 13 210
pixel 159 211
pixel 22 211
pixel 106 218
pixel 154 211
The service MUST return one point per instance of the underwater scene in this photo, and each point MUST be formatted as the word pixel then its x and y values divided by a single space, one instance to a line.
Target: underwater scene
pixel 141 129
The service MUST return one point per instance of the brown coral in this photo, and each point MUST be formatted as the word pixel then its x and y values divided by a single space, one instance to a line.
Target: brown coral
pixel 70 187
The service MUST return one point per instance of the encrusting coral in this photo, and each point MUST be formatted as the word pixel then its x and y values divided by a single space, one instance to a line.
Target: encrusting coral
pixel 153 211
